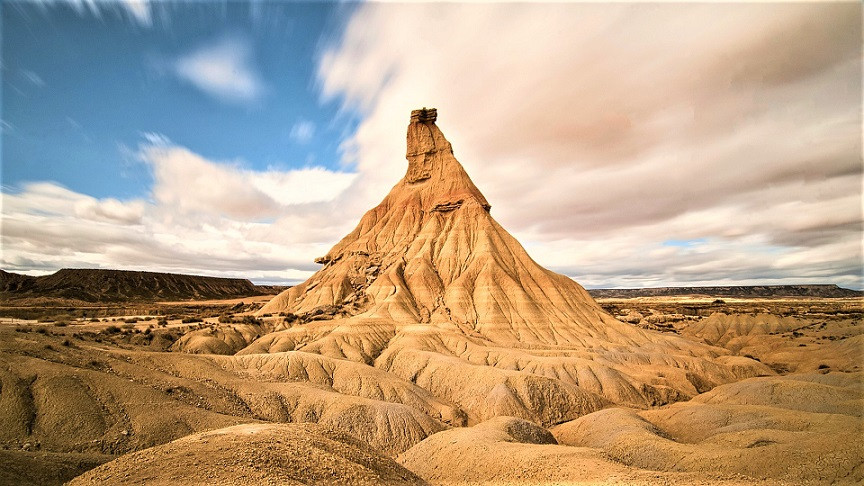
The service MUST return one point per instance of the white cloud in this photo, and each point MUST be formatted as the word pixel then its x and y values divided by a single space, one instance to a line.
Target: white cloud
pixel 223 69
pixel 599 131
pixel 204 217
pixel 188 183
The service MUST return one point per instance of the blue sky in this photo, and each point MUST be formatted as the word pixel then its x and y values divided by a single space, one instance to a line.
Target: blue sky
pixel 78 89
pixel 625 145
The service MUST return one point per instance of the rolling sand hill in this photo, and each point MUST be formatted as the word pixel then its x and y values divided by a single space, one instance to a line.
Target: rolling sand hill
pixel 431 337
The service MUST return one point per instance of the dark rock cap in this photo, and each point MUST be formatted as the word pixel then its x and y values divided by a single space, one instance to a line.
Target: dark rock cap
pixel 424 115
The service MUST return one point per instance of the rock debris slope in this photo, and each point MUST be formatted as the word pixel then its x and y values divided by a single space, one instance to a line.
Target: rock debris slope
pixel 431 288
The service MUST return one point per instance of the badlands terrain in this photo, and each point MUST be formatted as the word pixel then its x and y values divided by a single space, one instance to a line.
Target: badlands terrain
pixel 428 349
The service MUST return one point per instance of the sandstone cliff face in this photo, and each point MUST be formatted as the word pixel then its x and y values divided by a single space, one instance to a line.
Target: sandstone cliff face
pixel 432 289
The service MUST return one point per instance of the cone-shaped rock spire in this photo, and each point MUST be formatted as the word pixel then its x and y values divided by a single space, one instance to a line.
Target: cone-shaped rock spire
pixel 431 288
pixel 431 252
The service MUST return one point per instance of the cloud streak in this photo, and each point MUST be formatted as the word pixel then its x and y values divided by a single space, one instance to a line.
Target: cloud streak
pixel 139 11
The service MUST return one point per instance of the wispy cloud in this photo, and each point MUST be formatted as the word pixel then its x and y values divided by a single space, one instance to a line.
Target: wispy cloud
pixel 600 131
pixel 223 69
pixel 302 131
pixel 33 78
pixel 139 11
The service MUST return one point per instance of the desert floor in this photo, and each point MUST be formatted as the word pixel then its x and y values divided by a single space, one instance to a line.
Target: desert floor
pixel 118 391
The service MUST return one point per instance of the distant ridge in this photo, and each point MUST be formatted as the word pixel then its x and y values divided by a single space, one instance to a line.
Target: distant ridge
pixel 98 285
pixel 822 290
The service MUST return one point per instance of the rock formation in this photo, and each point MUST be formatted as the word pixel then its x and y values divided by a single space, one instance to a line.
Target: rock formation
pixel 430 287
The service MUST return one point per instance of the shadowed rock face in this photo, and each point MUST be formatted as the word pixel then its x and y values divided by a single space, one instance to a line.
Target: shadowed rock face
pixel 432 289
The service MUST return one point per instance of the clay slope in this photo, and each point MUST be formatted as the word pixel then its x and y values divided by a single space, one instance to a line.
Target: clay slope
pixel 255 454
pixel 431 288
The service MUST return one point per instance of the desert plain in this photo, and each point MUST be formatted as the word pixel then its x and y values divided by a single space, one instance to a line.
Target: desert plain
pixel 430 348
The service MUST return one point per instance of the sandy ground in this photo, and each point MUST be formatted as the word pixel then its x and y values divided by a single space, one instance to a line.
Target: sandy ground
pixel 67 408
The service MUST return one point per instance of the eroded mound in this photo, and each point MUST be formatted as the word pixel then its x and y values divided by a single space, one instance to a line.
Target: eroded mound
pixel 255 454
pixel 507 450
pixel 803 429
pixel 87 399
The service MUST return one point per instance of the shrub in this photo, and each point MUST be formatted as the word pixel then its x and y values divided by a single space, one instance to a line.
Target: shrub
pixel 66 343
pixel 225 319
pixel 128 325
pixel 189 320
pixel 112 329
pixel 61 324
